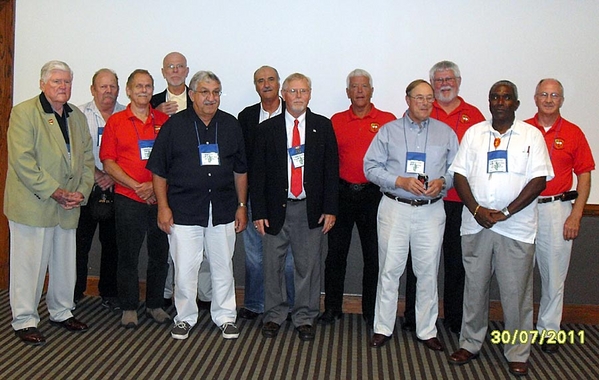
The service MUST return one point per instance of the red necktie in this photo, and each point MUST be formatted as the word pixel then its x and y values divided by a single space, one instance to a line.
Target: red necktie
pixel 296 173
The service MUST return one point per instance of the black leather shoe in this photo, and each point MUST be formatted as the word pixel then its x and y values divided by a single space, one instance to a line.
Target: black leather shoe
pixel 379 340
pixel 408 325
pixel 550 348
pixel 247 313
pixel 270 329
pixel 329 317
pixel 461 356
pixel 31 336
pixel 433 344
pixel 306 332
pixel 518 368
pixel 71 324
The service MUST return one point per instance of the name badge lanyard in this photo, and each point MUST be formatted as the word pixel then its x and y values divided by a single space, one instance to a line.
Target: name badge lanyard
pixel 457 123
pixel 100 129
pixel 145 146
pixel 497 159
pixel 415 161
pixel 209 154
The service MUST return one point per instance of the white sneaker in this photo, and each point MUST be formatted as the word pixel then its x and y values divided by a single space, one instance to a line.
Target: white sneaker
pixel 230 331
pixel 180 330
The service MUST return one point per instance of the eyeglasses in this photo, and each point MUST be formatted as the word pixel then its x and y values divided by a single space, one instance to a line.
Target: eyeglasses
pixel 423 99
pixel 301 91
pixel 545 95
pixel 178 66
pixel 206 93
pixel 448 80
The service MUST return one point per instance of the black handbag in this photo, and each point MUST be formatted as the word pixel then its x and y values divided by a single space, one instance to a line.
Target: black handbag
pixel 101 203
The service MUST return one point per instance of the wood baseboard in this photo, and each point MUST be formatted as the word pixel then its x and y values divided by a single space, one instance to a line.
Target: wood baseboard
pixel 585 314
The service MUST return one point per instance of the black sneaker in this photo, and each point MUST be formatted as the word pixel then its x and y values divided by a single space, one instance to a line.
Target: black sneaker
pixel 111 303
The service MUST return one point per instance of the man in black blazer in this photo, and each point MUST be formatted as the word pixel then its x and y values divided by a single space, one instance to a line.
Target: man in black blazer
pixel 294 182
pixel 267 82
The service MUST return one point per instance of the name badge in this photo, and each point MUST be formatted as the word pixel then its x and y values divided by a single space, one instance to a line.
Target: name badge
pixel 296 153
pixel 145 148
pixel 209 155
pixel 497 161
pixel 415 162
pixel 100 133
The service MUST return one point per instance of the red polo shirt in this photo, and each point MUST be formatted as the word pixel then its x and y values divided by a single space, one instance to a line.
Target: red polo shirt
pixel 354 136
pixel 569 152
pixel 120 142
pixel 460 119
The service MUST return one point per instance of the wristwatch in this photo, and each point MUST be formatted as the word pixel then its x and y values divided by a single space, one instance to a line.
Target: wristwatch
pixel 506 212
pixel 444 182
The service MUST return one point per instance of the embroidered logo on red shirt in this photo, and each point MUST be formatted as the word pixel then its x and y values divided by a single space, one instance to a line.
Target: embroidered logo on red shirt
pixel 465 118
pixel 374 127
pixel 558 143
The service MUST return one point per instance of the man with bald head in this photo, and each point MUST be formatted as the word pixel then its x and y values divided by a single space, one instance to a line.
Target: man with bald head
pixel 408 159
pixel 105 90
pixel 175 97
pixel 559 218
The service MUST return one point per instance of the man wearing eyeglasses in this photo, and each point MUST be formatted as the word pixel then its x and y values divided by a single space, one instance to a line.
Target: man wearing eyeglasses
pixel 409 160
pixel 501 168
pixel 267 83
pixel 294 182
pixel 452 110
pixel 559 218
pixel 200 181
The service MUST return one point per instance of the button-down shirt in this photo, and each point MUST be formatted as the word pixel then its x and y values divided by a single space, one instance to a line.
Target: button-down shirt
pixel 289 121
pixel 95 121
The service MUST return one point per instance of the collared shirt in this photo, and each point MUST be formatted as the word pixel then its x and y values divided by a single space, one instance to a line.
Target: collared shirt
pixel 62 119
pixel 354 136
pixel 95 121
pixel 460 119
pixel 192 188
pixel 289 122
pixel 385 159
pixel 569 152
pixel 527 158
pixel 120 143
pixel 264 115
pixel 180 99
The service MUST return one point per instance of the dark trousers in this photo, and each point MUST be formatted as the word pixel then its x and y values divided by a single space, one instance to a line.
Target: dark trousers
pixel 360 207
pixel 133 221
pixel 107 286
pixel 453 286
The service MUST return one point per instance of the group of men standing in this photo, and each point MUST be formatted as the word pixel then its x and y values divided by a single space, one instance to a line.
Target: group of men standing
pixel 182 172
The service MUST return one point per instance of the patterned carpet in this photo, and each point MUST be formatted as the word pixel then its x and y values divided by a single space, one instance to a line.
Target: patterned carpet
pixel 108 351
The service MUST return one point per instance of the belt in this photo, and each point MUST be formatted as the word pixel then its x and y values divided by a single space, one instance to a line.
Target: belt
pixel 413 202
pixel 295 200
pixel 550 199
pixel 356 186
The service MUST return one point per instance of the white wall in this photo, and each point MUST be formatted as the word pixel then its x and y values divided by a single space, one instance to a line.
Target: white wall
pixel 396 41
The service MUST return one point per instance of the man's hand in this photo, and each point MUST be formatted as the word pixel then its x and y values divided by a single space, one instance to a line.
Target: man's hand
pixel 169 108
pixel 241 219
pixel 329 222
pixel 146 192
pixel 66 199
pixel 487 217
pixel 571 227
pixel 260 226
pixel 434 188
pixel 103 180
pixel 165 219
pixel 411 184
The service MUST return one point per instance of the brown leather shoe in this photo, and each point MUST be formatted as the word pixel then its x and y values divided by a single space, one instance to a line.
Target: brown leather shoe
pixel 71 324
pixel 461 356
pixel 518 368
pixel 379 340
pixel 31 336
pixel 270 329
pixel 550 348
pixel 306 332
pixel 433 344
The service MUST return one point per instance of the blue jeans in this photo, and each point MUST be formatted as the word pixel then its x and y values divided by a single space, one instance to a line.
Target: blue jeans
pixel 254 270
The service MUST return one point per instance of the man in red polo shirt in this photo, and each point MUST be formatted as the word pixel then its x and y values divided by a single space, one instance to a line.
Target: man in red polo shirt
pixel 358 198
pixel 559 218
pixel 452 110
pixel 126 145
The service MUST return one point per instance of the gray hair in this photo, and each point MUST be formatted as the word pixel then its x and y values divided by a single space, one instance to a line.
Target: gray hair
pixel 561 87
pixel 359 73
pixel 505 82
pixel 266 67
pixel 296 76
pixel 51 66
pixel 202 76
pixel 139 71
pixel 442 66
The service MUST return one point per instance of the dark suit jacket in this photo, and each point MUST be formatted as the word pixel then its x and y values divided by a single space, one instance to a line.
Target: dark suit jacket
pixel 249 119
pixel 158 99
pixel 269 171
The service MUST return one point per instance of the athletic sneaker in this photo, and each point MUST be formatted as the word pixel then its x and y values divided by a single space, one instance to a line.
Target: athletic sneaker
pixel 180 330
pixel 230 331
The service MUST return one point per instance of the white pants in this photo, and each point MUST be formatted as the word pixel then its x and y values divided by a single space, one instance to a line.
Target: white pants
pixel 204 282
pixel 401 226
pixel 187 251
pixel 33 250
pixel 552 254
